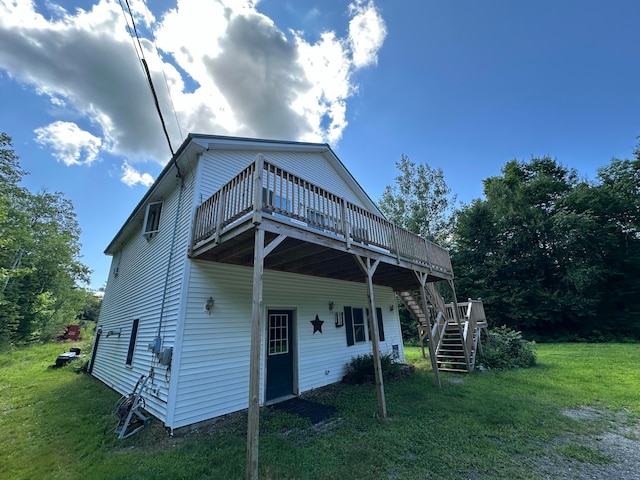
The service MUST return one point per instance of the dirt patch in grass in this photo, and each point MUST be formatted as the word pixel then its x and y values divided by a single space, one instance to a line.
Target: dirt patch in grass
pixel 611 452
pixel 156 437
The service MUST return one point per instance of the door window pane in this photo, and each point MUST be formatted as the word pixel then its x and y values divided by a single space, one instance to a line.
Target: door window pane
pixel 278 333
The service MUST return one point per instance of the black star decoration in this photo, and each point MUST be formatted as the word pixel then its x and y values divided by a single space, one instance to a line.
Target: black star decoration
pixel 317 324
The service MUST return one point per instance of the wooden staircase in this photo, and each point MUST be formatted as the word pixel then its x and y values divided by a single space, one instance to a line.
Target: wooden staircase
pixel 453 340
pixel 450 353
pixel 410 301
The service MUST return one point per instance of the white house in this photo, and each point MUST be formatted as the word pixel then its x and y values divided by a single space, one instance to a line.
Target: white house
pixel 245 276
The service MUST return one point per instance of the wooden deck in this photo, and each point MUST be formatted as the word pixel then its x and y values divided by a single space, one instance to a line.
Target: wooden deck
pixel 310 231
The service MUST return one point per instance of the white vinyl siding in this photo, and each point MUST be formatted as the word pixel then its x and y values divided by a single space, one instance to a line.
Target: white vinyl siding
pixel 210 371
pixel 214 367
pixel 220 166
pixel 136 291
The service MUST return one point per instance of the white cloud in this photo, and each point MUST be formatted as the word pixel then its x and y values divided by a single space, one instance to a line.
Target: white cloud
pixel 229 70
pixel 366 33
pixel 131 177
pixel 68 143
pixel 58 102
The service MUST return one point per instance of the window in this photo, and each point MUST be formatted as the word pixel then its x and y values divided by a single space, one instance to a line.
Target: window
pixel 354 321
pixel 320 221
pixel 275 202
pixel 380 324
pixel 132 342
pixel 278 333
pixel 152 219
pixel 316 219
pixel 357 328
pixel 361 235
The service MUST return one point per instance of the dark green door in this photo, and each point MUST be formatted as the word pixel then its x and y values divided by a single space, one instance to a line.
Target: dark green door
pixel 279 354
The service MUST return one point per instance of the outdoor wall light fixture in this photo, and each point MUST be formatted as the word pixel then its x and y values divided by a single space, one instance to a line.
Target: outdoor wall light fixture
pixel 114 332
pixel 391 307
pixel 331 305
pixel 209 305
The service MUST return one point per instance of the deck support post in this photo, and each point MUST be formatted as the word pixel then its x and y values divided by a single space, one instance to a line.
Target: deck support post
pixel 346 225
pixel 396 243
pixel 219 215
pixel 422 279
pixel 369 269
pixel 253 422
pixel 258 202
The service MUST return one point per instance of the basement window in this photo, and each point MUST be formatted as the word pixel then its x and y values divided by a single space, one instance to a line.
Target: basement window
pixel 380 324
pixel 132 342
pixel 151 224
pixel 356 321
pixel 355 328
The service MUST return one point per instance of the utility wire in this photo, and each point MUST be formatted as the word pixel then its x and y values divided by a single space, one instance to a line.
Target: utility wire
pixel 155 99
pixel 148 75
pixel 130 29
pixel 164 75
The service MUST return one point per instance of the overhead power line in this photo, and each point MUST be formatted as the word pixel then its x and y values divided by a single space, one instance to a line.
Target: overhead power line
pixel 147 73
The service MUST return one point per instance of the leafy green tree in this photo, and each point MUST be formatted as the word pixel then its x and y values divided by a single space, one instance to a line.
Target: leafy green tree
pixel 12 199
pixel 616 201
pixel 39 258
pixel 91 309
pixel 11 233
pixel 420 201
pixel 551 255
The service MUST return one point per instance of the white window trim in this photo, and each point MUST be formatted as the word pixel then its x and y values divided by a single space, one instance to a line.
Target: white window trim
pixel 150 233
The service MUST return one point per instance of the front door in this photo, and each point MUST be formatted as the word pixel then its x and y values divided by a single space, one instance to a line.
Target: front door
pixel 279 354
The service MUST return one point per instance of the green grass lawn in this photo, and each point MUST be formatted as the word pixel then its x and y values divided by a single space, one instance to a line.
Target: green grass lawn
pixel 488 425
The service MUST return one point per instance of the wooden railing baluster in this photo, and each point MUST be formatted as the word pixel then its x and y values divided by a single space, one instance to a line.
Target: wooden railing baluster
pixel 291 196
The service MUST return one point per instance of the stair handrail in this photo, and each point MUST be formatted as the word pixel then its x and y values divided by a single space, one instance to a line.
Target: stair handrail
pixel 437 330
pixel 470 334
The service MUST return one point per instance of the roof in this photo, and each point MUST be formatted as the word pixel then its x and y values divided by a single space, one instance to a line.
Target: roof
pixel 196 143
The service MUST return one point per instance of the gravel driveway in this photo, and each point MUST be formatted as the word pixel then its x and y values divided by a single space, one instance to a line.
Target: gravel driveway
pixel 616 449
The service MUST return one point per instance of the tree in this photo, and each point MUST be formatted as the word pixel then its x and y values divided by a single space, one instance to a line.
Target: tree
pixel 11 221
pixel 507 243
pixel 420 201
pixel 91 309
pixel 551 255
pixel 616 199
pixel 40 268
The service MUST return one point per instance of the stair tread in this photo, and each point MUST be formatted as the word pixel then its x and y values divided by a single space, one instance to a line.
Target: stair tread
pixel 450 352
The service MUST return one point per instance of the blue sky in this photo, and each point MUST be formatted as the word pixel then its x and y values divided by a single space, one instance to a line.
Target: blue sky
pixel 464 85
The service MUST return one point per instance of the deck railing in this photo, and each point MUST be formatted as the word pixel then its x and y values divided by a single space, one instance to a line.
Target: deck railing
pixel 287 195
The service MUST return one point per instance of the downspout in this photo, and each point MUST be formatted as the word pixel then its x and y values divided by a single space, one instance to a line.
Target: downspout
pixel 184 289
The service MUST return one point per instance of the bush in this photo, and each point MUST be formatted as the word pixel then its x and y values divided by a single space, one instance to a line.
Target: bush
pixel 360 369
pixel 505 349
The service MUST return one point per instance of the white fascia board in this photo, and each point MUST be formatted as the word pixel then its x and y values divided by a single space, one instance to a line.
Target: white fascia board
pixel 160 188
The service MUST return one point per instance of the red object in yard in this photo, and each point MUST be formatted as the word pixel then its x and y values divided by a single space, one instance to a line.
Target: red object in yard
pixel 72 333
